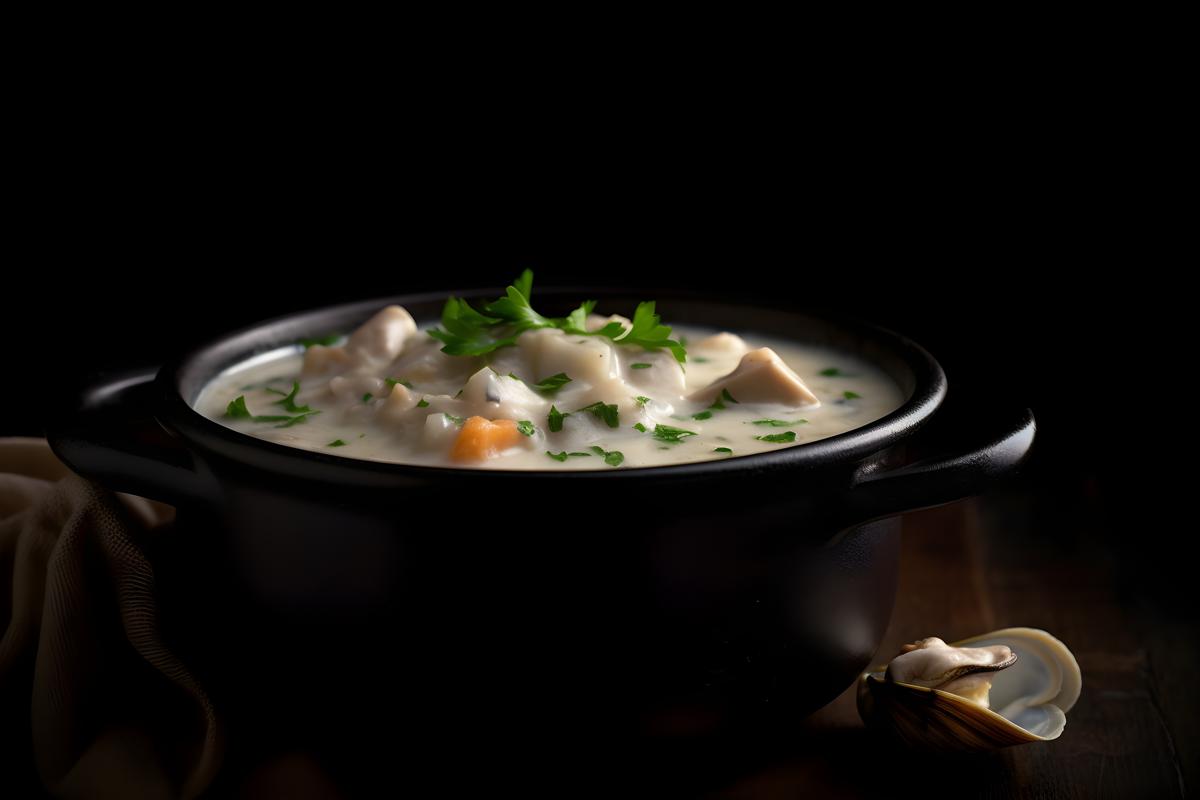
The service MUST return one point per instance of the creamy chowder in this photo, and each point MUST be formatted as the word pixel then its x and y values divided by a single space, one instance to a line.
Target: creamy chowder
pixel 528 392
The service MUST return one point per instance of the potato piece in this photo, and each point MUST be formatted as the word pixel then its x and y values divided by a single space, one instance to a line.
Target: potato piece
pixel 760 377
pixel 320 361
pixel 423 363
pixel 382 337
pixel 497 395
pixel 481 439
pixel 587 359
pixel 349 390
pixel 663 376
pixel 720 344
pixel 397 404
pixel 438 432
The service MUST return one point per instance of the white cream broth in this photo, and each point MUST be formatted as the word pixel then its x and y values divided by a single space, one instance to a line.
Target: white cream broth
pixel 388 393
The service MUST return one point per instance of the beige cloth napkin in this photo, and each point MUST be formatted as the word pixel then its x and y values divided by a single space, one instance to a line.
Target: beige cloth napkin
pixel 87 688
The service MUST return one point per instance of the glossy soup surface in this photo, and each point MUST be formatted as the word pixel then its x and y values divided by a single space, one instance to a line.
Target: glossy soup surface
pixel 388 393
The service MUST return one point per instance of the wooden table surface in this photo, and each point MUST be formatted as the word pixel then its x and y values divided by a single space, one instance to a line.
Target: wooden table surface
pixel 1012 559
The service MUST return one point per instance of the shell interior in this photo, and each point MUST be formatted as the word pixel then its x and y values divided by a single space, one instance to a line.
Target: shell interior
pixel 1030 698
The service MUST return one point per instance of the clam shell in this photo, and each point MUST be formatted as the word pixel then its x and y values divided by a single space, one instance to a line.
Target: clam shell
pixel 1029 700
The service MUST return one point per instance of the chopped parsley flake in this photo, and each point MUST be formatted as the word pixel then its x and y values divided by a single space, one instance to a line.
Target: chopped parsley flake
pixel 717 405
pixel 665 433
pixel 454 419
pixel 237 410
pixel 324 341
pixel 290 421
pixel 779 423
pixel 700 360
pixel 562 456
pixel 551 384
pixel 851 395
pixel 391 382
pixel 526 427
pixel 640 365
pixel 639 427
pixel 722 450
pixel 778 438
pixel 641 400
pixel 605 411
pixel 422 403
pixel 555 419
pixel 336 443
pixel 611 457
pixel 368 397
pixel 289 399
pixel 831 372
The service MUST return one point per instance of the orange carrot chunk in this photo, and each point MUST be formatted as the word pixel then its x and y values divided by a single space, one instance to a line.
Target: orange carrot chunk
pixel 482 438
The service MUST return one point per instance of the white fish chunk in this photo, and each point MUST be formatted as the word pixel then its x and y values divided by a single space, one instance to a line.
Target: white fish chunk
pixel 382 337
pixel 760 377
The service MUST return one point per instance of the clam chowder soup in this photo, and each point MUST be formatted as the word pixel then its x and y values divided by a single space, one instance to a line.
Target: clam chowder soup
pixel 502 387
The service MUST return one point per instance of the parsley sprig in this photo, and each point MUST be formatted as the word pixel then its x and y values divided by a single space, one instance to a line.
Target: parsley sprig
pixel 467 332
pixel 237 410
pixel 289 399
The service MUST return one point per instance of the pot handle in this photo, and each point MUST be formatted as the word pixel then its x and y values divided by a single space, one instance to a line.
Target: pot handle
pixel 109 434
pixel 937 481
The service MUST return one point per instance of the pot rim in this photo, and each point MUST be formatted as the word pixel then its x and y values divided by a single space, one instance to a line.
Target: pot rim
pixel 177 415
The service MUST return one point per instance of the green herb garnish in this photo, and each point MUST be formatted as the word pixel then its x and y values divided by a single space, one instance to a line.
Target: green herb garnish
pixel 778 438
pixel 562 456
pixel 551 384
pixel 641 401
pixel 454 419
pixel 555 419
pixel 831 372
pixel 607 412
pixel 526 427
pixel 324 341
pixel 722 450
pixel 422 403
pixel 779 423
pixel 290 421
pixel 336 443
pixel 647 331
pixel 366 398
pixel 289 399
pixel 237 410
pixel 641 365
pixel 467 332
pixel 700 359
pixel 665 433
pixel 391 382
pixel 717 405
pixel 639 427
pixel 611 457
pixel 851 395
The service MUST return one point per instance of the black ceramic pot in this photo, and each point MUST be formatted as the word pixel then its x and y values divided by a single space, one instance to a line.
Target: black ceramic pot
pixel 515 610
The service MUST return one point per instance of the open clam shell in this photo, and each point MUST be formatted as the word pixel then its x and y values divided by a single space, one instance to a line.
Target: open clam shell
pixel 1029 699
